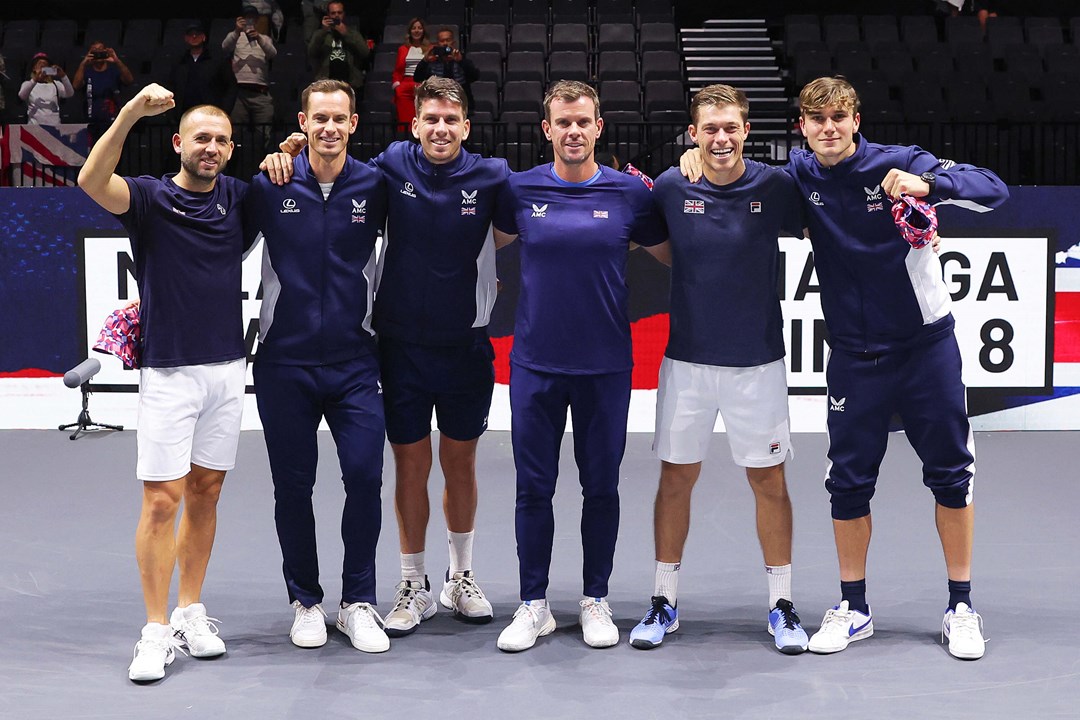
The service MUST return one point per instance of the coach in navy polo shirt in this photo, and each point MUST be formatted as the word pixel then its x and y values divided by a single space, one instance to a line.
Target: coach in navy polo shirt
pixel 317 359
pixel 575 221
pixel 187 242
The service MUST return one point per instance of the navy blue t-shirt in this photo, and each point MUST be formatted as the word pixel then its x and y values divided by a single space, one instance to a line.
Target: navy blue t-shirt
pixel 572 313
pixel 188 247
pixel 725 262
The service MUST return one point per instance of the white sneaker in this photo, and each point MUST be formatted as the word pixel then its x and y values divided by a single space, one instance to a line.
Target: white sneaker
pixel 596 623
pixel 461 594
pixel 156 648
pixel 309 626
pixel 964 629
pixel 364 627
pixel 193 628
pixel 839 627
pixel 530 622
pixel 413 604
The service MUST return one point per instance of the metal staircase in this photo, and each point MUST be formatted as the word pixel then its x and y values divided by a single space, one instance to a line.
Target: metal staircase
pixel 739 52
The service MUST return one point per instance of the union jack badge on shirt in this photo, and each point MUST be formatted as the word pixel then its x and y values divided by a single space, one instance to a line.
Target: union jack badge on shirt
pixel 600 214
pixel 468 210
pixel 694 207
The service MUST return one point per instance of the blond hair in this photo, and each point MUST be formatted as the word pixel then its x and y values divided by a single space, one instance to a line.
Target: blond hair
pixel 719 96
pixel 827 92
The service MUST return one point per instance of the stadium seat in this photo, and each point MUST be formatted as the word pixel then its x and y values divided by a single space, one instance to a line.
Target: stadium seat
pixel 523 95
pixel 877 29
pixel 664 95
pixel 616 36
pixel 401 11
pixel 486 36
pixel 661 65
pixel 488 65
pixel 1043 31
pixel 658 36
pixel 441 12
pixel 570 36
pixel 617 65
pixel 521 65
pixel 963 29
pixel 530 37
pixel 568 65
pixel 530 11
pixel 495 12
pixel 485 96
pixel 620 95
pixel 569 11
pixel 918 29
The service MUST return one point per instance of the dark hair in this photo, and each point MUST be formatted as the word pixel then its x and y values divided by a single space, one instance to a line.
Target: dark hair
pixel 440 88
pixel 328 86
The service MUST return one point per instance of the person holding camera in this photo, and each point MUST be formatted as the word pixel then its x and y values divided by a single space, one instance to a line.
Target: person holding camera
pixel 102 73
pixel 444 59
pixel 251 53
pixel 337 51
pixel 42 92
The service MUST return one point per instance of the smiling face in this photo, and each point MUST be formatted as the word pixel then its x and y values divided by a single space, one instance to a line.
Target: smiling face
pixel 720 133
pixel 416 32
pixel 328 121
pixel 204 144
pixel 440 126
pixel 573 127
pixel 830 133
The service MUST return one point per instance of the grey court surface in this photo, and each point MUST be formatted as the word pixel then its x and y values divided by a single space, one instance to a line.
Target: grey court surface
pixel 71 607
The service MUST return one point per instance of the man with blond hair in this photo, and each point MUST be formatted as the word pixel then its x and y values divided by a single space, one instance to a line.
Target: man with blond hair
pixel 723 253
pixel 575 221
pixel 893 347
pixel 187 241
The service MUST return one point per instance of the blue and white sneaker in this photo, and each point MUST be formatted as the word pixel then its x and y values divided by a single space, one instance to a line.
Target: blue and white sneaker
pixel 660 620
pixel 784 626
pixel 839 627
pixel 964 629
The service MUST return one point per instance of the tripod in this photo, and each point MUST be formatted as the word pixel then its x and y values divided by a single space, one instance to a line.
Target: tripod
pixel 84 423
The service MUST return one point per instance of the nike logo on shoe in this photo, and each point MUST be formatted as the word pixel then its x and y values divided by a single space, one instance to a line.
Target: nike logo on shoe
pixel 852 629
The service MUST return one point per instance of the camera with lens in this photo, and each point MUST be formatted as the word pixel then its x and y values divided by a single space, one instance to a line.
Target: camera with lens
pixel 335 21
pixel 99 55
pixel 49 70
pixel 442 51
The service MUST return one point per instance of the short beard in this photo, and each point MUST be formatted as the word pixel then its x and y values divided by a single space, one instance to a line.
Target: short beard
pixel 191 167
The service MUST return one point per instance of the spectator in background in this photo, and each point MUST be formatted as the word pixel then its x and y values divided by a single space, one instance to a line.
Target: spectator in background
pixel 446 60
pixel 103 73
pixel 416 46
pixel 313 12
pixel 251 51
pixel 337 51
pixel 48 83
pixel 199 77
pixel 268 17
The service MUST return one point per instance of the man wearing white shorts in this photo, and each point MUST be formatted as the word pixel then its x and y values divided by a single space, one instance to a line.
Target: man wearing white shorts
pixel 187 242
pixel 725 353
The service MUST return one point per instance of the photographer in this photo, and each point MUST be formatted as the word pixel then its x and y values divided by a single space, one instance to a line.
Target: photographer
pixel 337 51
pixel 251 53
pixel 103 73
pixel 444 59
pixel 42 92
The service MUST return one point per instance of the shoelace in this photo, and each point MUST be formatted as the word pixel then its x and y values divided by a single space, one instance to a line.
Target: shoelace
pixel 527 610
pixel 169 645
pixel 310 615
pixel 465 586
pixel 963 625
pixel 599 611
pixel 836 620
pixel 657 613
pixel 406 596
pixel 787 611
pixel 200 625
pixel 366 615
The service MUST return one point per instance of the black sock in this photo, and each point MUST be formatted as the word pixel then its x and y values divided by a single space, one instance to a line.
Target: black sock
pixel 959 592
pixel 855 594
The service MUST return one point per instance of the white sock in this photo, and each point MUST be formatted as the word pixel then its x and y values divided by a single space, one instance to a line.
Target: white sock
pixel 667 581
pixel 412 567
pixel 779 583
pixel 460 551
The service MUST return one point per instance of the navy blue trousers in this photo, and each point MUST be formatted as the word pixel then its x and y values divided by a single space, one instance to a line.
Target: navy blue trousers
pixel 923 386
pixel 599 405
pixel 292 400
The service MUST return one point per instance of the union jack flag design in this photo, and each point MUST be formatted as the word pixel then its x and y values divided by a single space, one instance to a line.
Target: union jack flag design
pixel 694 207
pixel 600 214
pixel 34 151
pixel 468 210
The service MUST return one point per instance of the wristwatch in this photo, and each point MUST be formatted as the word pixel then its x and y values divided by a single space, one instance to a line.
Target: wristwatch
pixel 930 179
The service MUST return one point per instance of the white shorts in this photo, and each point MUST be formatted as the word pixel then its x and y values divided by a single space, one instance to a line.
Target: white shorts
pixel 189 415
pixel 752 401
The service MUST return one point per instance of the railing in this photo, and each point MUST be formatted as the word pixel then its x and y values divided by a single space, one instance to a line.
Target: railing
pixel 1025 153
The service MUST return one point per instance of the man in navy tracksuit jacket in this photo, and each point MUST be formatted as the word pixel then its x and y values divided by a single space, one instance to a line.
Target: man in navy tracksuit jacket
pixel 893 349
pixel 436 288
pixel 317 359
